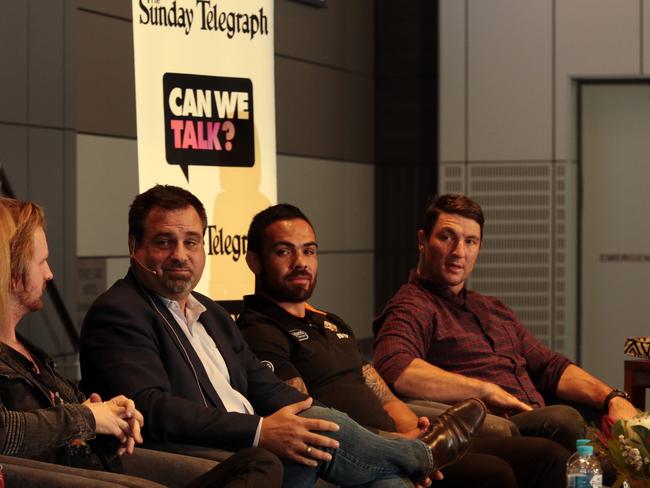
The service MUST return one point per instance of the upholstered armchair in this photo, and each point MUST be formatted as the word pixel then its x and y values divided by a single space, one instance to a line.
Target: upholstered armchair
pixel 166 470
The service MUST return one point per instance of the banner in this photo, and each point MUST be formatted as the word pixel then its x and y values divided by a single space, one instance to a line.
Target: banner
pixel 205 109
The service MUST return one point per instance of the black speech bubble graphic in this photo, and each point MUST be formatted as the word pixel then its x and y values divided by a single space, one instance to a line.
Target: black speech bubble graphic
pixel 208 121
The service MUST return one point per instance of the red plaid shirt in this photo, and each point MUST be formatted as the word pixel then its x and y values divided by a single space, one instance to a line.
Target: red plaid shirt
pixel 470 334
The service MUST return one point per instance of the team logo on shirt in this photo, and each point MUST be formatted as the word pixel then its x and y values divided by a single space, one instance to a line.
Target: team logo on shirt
pixel 333 328
pixel 299 334
pixel 330 326
pixel 268 364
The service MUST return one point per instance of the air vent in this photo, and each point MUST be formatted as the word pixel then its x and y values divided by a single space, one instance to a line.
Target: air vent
pixel 524 239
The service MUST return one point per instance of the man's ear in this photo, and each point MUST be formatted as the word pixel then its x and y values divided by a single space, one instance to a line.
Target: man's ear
pixel 422 240
pixel 253 261
pixel 16 285
pixel 131 244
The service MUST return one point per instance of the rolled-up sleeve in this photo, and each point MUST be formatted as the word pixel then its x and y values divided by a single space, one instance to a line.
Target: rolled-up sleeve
pixel 403 334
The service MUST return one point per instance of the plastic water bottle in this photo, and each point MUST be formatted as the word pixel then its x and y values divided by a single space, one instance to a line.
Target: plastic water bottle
pixel 575 455
pixel 584 471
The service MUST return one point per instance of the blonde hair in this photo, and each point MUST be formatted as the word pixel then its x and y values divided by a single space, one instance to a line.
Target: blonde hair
pixel 18 222
pixel 7 229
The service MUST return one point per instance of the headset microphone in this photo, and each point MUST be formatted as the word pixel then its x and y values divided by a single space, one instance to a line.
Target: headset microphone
pixel 152 271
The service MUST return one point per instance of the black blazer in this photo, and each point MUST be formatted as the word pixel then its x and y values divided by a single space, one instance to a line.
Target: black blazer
pixel 132 345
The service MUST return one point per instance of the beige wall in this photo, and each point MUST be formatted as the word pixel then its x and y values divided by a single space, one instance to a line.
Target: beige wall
pixel 506 135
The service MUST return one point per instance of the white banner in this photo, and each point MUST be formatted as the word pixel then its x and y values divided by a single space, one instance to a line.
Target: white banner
pixel 206 118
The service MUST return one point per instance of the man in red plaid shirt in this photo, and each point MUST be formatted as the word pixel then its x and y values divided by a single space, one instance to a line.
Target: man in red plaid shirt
pixel 440 341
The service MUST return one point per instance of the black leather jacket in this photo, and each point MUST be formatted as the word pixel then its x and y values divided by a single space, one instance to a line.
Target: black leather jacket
pixel 34 423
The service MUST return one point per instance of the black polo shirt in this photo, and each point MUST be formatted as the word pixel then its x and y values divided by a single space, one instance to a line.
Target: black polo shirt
pixel 321 349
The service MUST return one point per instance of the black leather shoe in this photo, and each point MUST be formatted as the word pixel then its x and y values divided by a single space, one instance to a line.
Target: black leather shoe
pixel 450 435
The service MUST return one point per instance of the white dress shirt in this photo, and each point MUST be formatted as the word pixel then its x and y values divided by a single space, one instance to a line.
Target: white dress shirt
pixel 210 357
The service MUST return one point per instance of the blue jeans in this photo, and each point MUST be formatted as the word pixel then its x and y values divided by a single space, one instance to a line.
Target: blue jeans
pixel 362 458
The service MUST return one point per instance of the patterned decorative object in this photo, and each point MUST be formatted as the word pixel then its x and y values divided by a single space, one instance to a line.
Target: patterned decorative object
pixel 638 347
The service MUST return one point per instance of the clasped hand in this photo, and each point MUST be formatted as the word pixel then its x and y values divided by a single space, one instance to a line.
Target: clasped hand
pixel 291 436
pixel 117 417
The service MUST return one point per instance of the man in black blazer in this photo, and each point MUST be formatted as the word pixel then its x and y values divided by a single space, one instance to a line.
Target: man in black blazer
pixel 184 362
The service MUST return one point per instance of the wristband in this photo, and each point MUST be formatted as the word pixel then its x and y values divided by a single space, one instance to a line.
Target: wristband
pixel 614 393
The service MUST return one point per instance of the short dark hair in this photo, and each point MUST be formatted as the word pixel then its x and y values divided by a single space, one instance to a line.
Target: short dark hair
pixel 167 197
pixel 281 211
pixel 452 204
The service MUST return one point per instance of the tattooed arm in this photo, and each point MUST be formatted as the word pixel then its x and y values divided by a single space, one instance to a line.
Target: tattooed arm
pixel 405 420
pixel 377 384
pixel 298 384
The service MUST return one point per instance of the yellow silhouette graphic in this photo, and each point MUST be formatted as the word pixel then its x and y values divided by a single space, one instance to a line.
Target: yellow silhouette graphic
pixel 239 200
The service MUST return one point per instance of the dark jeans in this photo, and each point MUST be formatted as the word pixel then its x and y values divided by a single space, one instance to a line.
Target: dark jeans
pixel 563 424
pixel 560 423
pixel 250 468
pixel 509 462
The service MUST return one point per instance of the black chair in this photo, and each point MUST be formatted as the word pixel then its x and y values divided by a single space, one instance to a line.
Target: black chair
pixel 233 307
pixel 163 469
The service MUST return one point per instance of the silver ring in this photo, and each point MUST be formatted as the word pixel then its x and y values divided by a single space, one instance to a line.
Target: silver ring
pixel 308 450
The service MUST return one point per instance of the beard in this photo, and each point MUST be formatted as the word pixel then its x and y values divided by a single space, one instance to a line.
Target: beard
pixel 35 305
pixel 178 286
pixel 286 291
pixel 31 303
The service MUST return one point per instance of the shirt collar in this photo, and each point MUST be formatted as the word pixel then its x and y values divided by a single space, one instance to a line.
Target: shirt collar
pixel 440 290
pixel 193 308
pixel 35 351
pixel 263 305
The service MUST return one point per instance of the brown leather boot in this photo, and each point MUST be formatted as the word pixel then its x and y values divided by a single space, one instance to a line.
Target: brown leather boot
pixel 450 435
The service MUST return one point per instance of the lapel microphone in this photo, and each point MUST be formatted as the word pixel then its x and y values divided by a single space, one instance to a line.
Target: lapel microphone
pixel 135 258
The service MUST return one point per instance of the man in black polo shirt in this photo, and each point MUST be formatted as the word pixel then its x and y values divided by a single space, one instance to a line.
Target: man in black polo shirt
pixel 320 350
pixel 316 352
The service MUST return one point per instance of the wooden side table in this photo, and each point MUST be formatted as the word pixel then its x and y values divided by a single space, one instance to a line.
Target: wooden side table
pixel 637 379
